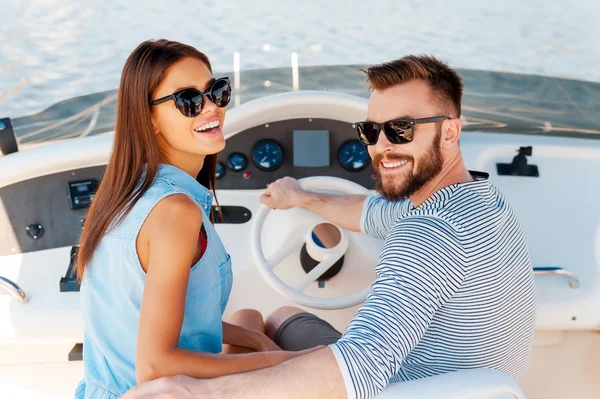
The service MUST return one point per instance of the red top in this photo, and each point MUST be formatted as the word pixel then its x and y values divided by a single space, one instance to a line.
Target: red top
pixel 203 241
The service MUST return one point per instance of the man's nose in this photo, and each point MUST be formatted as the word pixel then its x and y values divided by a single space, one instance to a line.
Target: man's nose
pixel 383 144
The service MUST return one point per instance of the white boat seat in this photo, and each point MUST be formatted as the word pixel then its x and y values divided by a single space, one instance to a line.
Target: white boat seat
pixel 465 384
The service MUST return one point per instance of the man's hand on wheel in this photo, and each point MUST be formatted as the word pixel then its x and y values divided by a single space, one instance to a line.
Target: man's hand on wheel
pixel 283 193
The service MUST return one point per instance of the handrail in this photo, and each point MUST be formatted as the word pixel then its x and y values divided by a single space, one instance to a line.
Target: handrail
pixel 14 289
pixel 554 270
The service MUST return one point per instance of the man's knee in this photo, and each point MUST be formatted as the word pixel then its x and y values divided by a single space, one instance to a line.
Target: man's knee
pixel 278 317
pixel 246 314
pixel 248 318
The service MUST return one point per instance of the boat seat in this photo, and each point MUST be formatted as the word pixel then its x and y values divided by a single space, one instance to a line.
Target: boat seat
pixel 464 384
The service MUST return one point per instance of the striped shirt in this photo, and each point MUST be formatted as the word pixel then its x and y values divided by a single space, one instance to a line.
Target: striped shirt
pixel 454 290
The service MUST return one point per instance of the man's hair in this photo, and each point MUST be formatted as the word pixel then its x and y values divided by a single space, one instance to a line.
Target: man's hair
pixel 446 85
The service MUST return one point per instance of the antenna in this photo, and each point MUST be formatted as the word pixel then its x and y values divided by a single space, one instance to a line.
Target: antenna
pixel 295 77
pixel 236 78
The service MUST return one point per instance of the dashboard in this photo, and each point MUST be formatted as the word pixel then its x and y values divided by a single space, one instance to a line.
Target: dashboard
pixel 56 204
pixel 295 147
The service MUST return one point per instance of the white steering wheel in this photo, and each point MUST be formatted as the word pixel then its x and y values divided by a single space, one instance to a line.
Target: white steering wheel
pixel 326 256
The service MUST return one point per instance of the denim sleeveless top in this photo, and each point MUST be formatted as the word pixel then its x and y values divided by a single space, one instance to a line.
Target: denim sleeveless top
pixel 112 287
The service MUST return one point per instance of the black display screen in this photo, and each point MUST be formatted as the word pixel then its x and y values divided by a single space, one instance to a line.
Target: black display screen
pixel 81 193
pixel 311 148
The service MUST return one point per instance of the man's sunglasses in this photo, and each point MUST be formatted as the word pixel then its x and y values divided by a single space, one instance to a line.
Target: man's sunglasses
pixel 397 131
pixel 190 101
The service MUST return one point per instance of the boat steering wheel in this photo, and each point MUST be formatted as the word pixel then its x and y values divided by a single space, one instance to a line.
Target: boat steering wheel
pixel 326 256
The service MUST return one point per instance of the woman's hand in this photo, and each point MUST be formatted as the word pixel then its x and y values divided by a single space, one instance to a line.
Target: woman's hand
pixel 266 344
pixel 247 338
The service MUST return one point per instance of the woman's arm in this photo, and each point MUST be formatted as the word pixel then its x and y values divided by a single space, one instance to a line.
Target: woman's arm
pixel 167 243
pixel 248 338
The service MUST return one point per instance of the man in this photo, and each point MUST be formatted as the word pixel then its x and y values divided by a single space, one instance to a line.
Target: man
pixel 455 285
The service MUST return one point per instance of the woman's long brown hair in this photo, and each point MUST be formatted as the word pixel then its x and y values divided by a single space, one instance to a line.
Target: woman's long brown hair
pixel 135 145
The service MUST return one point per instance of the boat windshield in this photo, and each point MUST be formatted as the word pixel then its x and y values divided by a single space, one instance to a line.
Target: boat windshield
pixel 494 102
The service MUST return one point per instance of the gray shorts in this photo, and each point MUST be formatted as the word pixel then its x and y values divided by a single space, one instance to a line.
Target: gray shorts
pixel 304 331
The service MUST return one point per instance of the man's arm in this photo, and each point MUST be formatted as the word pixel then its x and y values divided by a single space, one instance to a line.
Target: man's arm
pixel 368 214
pixel 315 375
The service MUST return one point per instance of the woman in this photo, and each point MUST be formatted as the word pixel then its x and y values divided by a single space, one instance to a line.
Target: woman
pixel 155 276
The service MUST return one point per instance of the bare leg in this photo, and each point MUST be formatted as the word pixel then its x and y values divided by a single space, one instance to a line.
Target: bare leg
pixel 278 317
pixel 248 318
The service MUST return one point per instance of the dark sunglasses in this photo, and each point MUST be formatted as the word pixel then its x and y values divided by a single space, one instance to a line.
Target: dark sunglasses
pixel 397 131
pixel 190 101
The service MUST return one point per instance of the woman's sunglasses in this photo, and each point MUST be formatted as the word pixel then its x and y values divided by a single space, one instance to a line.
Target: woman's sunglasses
pixel 190 101
pixel 397 131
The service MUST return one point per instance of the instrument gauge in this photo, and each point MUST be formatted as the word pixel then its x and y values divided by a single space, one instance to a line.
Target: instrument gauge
pixel 267 155
pixel 353 156
pixel 220 171
pixel 236 161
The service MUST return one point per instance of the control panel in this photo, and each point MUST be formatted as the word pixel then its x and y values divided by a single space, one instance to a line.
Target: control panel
pixel 298 148
pixel 81 193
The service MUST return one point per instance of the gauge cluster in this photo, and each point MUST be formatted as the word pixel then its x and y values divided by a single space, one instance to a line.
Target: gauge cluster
pixel 267 154
pixel 298 148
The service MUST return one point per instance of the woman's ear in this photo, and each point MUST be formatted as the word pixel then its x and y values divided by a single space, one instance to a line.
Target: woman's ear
pixel 155 126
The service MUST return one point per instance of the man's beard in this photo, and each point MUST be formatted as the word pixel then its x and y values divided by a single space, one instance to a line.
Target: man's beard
pixel 429 165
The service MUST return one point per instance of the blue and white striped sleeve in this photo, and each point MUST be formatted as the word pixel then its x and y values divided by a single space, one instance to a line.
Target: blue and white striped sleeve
pixel 379 215
pixel 420 268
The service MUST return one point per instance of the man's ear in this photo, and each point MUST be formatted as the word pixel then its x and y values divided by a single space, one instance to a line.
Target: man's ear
pixel 451 132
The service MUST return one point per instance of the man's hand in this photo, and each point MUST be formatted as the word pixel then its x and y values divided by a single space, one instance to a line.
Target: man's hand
pixel 284 193
pixel 342 210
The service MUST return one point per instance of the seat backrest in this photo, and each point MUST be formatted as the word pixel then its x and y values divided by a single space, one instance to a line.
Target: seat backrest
pixel 464 384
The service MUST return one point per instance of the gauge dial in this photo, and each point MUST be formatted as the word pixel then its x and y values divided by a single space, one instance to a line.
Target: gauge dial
pixel 237 161
pixel 220 171
pixel 267 154
pixel 353 156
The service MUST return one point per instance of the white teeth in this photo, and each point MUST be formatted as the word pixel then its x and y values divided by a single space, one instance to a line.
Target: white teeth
pixel 209 125
pixel 393 165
